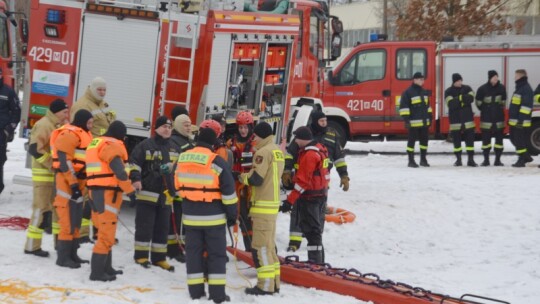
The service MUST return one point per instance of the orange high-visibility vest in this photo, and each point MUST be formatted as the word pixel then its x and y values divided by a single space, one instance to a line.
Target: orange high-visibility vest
pixel 197 178
pixel 78 155
pixel 98 170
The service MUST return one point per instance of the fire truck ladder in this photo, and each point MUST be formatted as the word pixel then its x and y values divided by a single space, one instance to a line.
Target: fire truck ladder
pixel 191 35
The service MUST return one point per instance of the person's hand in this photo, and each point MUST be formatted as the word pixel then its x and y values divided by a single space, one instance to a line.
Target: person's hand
pixel 165 169
pixel 75 192
pixel 132 199
pixel 285 207
pixel 286 178
pixel 137 185
pixel 231 222
pixel 9 131
pixel 344 183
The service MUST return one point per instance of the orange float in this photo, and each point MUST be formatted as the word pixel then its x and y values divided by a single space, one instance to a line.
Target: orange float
pixel 339 216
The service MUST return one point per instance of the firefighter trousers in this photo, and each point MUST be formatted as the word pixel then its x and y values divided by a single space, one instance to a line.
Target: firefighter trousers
pixel 151 230
pixel 69 212
pixel 295 233
pixel 43 216
pixel 177 233
pixel 264 254
pixel 467 135
pixel 518 136
pixel 487 134
pixel 3 159
pixel 244 197
pixel 311 211
pixel 211 239
pixel 106 204
pixel 420 134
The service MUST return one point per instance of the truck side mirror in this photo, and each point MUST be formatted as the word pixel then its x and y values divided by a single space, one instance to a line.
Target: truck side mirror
pixel 337 26
pixel 23 30
pixel 335 51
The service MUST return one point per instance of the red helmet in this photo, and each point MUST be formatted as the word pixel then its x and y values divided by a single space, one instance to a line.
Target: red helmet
pixel 212 124
pixel 244 118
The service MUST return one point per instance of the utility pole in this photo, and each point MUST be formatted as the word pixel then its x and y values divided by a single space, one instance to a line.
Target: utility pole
pixel 385 17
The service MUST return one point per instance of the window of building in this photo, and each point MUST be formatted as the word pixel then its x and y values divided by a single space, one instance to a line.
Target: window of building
pixel 410 61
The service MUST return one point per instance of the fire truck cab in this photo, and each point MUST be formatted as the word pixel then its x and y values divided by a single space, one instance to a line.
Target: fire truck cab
pixel 8 36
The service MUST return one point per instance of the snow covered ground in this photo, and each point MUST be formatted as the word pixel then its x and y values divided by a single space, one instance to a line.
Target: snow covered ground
pixel 449 230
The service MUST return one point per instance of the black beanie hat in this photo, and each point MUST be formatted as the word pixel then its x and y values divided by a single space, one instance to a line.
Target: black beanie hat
pixel 418 75
pixel 263 129
pixel 207 136
pixel 162 120
pixel 492 73
pixel 303 133
pixel 81 118
pixel 58 105
pixel 117 129
pixel 456 77
pixel 177 111
pixel 316 115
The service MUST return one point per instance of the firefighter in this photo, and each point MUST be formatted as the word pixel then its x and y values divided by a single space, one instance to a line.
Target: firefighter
pixel 10 115
pixel 220 147
pixel 177 111
pixel 415 109
pixel 263 177
pixel 205 182
pixel 68 147
pixel 459 98
pixel 181 137
pixel 93 101
pixel 310 191
pixel 491 100
pixel 243 147
pixel 329 138
pixel 519 117
pixel 43 214
pixel 107 179
pixel 151 171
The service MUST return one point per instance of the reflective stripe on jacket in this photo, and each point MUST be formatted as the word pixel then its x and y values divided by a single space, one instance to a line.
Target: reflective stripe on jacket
pixel 197 178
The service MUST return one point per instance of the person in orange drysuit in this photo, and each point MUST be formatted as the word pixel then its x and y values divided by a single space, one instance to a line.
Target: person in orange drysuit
pixel 68 147
pixel 107 179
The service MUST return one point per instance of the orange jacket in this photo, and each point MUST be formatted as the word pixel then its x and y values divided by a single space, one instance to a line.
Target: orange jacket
pixel 243 154
pixel 101 152
pixel 196 179
pixel 312 176
pixel 73 141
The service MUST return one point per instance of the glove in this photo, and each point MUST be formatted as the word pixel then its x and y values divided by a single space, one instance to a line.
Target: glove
pixel 165 169
pixel 344 184
pixel 286 178
pixel 285 207
pixel 9 131
pixel 75 192
pixel 231 222
pixel 132 199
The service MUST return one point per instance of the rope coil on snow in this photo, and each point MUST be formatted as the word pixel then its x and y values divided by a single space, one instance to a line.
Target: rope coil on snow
pixel 14 222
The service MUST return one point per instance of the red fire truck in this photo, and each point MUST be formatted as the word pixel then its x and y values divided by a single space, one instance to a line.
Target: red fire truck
pixel 154 56
pixel 361 94
pixel 8 24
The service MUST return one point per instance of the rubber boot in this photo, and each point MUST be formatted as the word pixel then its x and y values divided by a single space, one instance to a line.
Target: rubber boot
pixel 108 266
pixel 97 266
pixel 74 255
pixel 498 162
pixel 64 249
pixel 527 157
pixel 423 159
pixel 458 162
pixel 485 163
pixel 316 256
pixel 256 291
pixel 412 163
pixel 164 265
pixel 470 159
pixel 520 162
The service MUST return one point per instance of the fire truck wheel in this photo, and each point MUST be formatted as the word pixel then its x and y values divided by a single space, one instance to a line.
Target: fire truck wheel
pixel 340 131
pixel 534 139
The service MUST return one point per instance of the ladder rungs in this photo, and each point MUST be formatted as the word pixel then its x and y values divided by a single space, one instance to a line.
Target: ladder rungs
pixel 182 103
pixel 180 58
pixel 178 80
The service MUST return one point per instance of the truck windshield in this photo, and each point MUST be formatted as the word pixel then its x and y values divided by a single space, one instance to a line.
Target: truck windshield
pixel 4 41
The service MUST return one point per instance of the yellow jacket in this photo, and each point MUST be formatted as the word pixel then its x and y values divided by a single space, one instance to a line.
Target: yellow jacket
pixel 40 136
pixel 103 116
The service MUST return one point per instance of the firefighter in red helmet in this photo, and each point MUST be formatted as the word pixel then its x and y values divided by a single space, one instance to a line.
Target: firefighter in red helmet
pixel 219 147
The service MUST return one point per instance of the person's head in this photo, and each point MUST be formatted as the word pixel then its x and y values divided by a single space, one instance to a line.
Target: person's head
pixel 182 125
pixel 98 88
pixel 303 136
pixel 177 111
pixel 244 121
pixel 262 130
pixel 319 122
pixel 418 79
pixel 163 126
pixel 212 124
pixel 520 74
pixel 117 130
pixel 221 120
pixel 60 109
pixel 457 80
pixel 207 136
pixel 493 77
pixel 83 119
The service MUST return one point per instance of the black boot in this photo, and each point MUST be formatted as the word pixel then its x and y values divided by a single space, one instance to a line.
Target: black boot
pixel 423 159
pixel 64 249
pixel 38 252
pixel 256 291
pixel 485 163
pixel 520 162
pixel 470 159
pixel 458 162
pixel 108 266
pixel 316 256
pixel 527 157
pixel 498 162
pixel 74 255
pixel 225 299
pixel 97 267
pixel 412 163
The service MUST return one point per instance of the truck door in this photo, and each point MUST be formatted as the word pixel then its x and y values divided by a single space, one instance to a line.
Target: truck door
pixel 362 89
